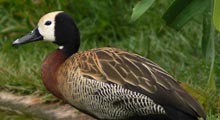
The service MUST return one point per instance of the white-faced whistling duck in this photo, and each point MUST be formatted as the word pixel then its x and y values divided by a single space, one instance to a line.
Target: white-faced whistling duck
pixel 108 83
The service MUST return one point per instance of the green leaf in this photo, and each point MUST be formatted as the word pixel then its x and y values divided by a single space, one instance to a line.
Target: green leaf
pixel 207 32
pixel 173 11
pixel 140 8
pixel 216 14
pixel 181 11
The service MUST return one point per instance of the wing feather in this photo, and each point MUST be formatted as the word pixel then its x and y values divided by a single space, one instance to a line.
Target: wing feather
pixel 137 73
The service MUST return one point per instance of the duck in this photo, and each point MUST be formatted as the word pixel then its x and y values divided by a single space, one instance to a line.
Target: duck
pixel 107 83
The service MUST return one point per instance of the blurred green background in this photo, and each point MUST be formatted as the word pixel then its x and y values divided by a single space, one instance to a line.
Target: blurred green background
pixel 104 23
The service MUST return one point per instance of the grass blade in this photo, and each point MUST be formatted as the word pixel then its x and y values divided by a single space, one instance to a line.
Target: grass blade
pixel 211 80
pixel 208 45
pixel 216 14
pixel 207 33
pixel 140 8
pixel 197 94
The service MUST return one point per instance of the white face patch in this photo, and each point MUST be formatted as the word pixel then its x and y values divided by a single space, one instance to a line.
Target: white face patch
pixel 60 47
pixel 46 26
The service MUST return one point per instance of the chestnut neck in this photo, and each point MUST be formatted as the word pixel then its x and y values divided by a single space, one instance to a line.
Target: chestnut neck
pixel 49 70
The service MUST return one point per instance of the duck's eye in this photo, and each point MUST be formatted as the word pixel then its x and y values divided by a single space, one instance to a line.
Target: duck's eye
pixel 47 23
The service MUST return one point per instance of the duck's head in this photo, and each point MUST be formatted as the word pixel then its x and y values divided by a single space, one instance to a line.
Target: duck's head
pixel 56 27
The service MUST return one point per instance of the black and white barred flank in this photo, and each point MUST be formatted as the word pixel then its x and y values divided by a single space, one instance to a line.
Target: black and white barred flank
pixel 111 101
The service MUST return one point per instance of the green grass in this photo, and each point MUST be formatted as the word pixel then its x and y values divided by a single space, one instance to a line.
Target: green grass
pixel 105 23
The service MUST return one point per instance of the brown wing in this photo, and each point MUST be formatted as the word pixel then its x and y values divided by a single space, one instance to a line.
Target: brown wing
pixel 137 73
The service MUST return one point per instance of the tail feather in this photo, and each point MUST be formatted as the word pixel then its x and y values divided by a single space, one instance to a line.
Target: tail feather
pixel 174 114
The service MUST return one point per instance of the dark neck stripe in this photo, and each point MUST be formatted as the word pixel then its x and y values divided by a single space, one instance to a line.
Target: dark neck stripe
pixel 67 34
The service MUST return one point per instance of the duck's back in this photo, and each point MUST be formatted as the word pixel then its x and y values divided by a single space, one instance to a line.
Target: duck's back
pixel 110 83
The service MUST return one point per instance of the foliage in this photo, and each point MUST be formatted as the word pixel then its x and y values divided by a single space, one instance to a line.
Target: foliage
pixel 140 8
pixel 180 12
